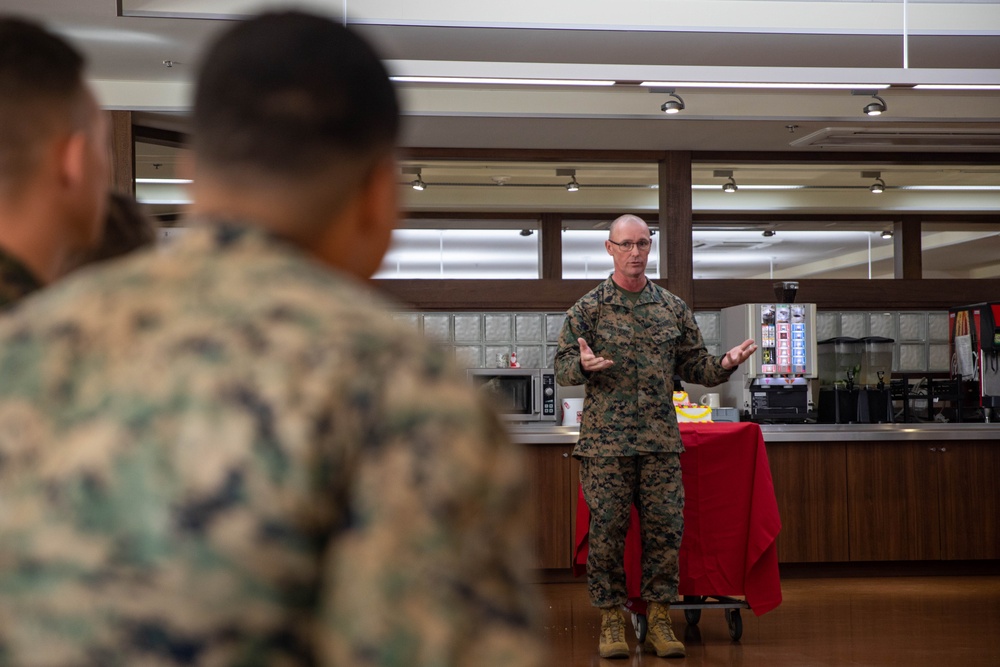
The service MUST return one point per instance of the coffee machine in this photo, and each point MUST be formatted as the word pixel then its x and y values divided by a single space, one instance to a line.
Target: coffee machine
pixel 974 334
pixel 773 385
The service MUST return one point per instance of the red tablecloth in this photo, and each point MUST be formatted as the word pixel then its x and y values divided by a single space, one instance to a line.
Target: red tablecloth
pixel 731 520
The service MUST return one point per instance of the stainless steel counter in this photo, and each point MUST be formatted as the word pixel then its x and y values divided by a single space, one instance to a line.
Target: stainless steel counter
pixel 534 434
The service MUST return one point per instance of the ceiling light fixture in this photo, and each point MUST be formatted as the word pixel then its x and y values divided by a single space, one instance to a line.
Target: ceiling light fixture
pixel 876 108
pixel 887 233
pixel 761 84
pixel 675 105
pixel 417 183
pixel 878 187
pixel 957 86
pixel 768 233
pixel 492 81
pixel 572 186
pixel 730 185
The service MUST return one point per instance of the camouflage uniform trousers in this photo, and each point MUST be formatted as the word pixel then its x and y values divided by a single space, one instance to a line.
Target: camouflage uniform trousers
pixel 610 486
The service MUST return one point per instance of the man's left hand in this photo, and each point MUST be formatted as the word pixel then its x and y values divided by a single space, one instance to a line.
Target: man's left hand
pixel 739 354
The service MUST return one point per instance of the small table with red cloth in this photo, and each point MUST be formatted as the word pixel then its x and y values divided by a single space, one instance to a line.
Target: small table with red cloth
pixel 731 519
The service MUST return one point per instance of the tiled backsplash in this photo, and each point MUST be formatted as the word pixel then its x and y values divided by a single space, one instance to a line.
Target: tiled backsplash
pixel 477 338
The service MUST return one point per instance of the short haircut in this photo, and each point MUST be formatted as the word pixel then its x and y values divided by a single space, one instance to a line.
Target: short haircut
pixel 620 220
pixel 285 96
pixel 42 91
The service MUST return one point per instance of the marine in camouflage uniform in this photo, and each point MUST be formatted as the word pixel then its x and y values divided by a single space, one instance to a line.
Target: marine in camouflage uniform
pixel 225 454
pixel 16 280
pixel 630 445
pixel 229 453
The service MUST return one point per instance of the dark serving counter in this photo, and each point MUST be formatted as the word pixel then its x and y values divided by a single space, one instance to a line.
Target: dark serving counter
pixel 845 492
pixel 534 434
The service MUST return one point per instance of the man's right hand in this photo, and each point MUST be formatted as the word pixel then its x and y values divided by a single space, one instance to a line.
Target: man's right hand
pixel 590 362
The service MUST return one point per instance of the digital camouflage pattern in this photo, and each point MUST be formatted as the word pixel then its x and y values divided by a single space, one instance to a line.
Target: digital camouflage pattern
pixel 628 408
pixel 225 454
pixel 610 486
pixel 16 281
pixel 629 424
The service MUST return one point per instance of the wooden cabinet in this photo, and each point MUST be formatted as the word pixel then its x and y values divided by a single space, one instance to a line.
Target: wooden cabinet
pixel 969 494
pixel 924 500
pixel 810 485
pixel 856 501
pixel 553 474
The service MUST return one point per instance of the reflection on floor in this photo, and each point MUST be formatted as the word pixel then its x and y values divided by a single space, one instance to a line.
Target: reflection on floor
pixel 939 621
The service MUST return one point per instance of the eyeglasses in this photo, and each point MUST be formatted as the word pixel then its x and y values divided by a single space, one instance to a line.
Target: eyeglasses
pixel 626 246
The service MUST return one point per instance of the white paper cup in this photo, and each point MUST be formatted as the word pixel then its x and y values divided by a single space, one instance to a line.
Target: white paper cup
pixel 572 411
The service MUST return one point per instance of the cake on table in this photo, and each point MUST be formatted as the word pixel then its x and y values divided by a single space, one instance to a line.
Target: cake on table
pixel 688 411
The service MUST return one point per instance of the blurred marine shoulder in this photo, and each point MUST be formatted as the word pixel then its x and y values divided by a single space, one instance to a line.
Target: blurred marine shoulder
pixel 225 447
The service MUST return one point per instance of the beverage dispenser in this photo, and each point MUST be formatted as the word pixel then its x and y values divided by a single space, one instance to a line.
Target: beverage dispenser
pixel 974 333
pixel 773 385
pixel 839 371
pixel 874 396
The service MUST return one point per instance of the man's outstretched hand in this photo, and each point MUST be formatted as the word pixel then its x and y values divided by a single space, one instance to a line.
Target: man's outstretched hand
pixel 590 362
pixel 739 354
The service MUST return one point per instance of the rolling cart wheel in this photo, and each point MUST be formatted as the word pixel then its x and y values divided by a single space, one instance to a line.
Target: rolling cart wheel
pixel 735 624
pixel 640 625
pixel 692 616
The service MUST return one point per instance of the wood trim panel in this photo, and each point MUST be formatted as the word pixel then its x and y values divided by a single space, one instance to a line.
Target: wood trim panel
pixel 676 248
pixel 906 250
pixel 555 295
pixel 121 151
pixel 903 294
pixel 735 157
pixel 161 137
pixel 737 217
pixel 551 246
pixel 845 157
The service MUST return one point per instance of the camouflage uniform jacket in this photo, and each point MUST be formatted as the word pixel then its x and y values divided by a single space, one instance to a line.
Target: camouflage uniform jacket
pixel 629 407
pixel 223 453
pixel 16 281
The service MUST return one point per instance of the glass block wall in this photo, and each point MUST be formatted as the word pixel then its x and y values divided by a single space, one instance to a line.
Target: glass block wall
pixel 476 339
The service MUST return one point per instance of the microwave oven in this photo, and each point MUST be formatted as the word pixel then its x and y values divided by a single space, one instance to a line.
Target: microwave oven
pixel 518 394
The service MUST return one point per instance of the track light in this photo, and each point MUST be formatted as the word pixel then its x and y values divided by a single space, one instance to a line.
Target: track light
pixel 676 105
pixel 878 187
pixel 887 233
pixel 730 185
pixel 572 186
pixel 417 183
pixel 876 108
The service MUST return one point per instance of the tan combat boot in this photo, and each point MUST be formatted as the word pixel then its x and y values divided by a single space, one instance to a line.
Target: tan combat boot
pixel 660 636
pixel 613 644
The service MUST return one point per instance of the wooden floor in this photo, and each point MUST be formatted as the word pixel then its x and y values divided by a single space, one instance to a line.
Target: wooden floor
pixel 911 621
